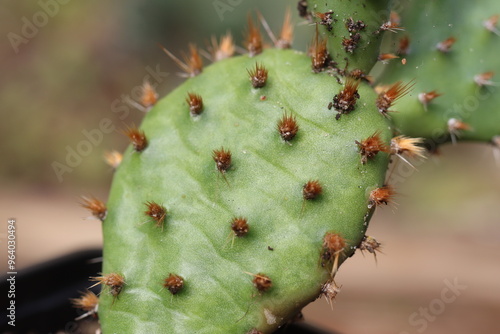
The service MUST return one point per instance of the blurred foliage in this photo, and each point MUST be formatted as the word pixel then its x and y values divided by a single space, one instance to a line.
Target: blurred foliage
pixel 65 79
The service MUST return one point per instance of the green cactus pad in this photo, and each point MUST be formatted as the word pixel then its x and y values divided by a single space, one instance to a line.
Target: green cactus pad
pixel 451 74
pixel 354 34
pixel 263 184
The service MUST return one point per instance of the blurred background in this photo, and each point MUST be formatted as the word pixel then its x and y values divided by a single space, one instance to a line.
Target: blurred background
pixel 66 67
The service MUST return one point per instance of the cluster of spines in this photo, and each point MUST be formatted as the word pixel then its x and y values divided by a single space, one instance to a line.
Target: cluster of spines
pixel 287 127
pixel 192 64
pixel 389 96
pixel 345 101
pixel 354 28
pixel 96 207
pixel 320 57
pixel 445 46
pixel 333 243
pixel 393 24
pixel 195 102
pixel 113 281
pixel 137 138
pixel 156 212
pixel 88 302
pixel 261 282
pixel 173 283
pixel 258 76
pixel 239 226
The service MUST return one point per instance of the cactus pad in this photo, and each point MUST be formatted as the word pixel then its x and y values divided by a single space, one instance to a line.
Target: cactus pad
pixel 229 210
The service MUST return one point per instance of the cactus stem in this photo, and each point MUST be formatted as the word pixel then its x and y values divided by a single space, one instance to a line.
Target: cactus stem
pixel 157 212
pixel 96 207
pixel 195 103
pixel 345 101
pixel 173 283
pixel 287 127
pixel 137 137
pixel 445 46
pixel 258 76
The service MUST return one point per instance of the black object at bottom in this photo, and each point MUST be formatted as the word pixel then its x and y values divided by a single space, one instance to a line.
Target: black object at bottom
pixel 43 292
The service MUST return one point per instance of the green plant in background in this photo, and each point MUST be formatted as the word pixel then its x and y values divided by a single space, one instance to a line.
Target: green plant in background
pixel 453 66
pixel 247 187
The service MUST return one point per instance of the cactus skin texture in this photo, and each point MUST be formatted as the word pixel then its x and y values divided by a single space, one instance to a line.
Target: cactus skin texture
pixel 450 74
pixel 367 18
pixel 263 184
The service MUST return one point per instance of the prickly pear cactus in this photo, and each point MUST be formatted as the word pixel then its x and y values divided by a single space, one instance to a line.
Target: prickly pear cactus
pixel 243 191
pixel 247 187
pixel 184 169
